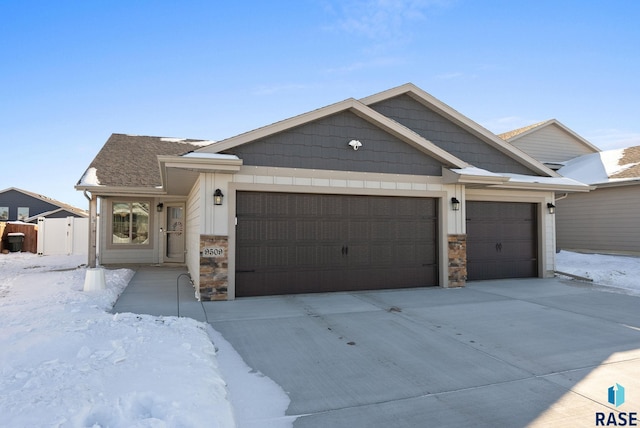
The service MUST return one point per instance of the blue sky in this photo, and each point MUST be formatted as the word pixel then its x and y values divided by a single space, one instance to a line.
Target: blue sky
pixel 73 72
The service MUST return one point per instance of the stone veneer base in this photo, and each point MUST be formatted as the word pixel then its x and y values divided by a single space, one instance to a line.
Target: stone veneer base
pixel 214 267
pixel 457 248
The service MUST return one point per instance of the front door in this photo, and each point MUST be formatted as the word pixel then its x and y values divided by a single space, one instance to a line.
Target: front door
pixel 174 245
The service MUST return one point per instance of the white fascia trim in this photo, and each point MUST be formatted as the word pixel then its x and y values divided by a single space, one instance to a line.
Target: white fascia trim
pixel 523 185
pixel 118 191
pixel 203 164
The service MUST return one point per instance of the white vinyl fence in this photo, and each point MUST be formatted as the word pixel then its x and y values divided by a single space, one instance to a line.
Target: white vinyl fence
pixel 63 236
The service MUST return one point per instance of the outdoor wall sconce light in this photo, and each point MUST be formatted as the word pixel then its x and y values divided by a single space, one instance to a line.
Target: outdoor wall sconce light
pixel 355 144
pixel 551 208
pixel 217 197
pixel 159 207
pixel 455 204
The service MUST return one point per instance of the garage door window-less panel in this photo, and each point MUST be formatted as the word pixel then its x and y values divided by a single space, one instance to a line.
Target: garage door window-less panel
pixel 302 243
pixel 501 240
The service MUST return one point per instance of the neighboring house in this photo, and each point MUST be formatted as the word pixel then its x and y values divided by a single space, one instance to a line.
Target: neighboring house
pixel 606 219
pixel 21 205
pixel 550 142
pixel 394 190
pixel 603 220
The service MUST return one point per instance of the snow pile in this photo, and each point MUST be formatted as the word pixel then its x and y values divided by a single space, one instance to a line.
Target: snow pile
pixel 621 272
pixel 65 362
pixel 598 167
pixel 90 178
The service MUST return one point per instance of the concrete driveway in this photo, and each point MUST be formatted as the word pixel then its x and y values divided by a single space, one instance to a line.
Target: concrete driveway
pixel 509 353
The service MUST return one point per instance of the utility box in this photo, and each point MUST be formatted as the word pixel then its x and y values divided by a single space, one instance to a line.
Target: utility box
pixel 15 241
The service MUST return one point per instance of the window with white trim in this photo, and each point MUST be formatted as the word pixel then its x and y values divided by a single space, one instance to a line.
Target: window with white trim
pixel 130 223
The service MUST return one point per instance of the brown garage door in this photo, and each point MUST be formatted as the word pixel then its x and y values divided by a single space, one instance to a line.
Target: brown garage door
pixel 501 240
pixel 303 243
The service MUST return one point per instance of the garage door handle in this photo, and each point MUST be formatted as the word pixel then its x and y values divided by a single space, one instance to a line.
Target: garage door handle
pixel 346 250
pixel 499 247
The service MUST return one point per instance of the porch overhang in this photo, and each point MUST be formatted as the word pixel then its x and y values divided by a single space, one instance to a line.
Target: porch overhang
pixel 179 173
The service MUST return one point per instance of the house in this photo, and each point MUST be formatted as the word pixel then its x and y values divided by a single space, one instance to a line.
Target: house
pixel 550 142
pixel 606 219
pixel 393 190
pixel 21 205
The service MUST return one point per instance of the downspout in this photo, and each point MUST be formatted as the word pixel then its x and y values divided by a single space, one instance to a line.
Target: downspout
pixel 93 222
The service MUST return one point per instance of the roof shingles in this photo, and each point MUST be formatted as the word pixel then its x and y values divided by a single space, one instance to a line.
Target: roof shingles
pixel 630 156
pixel 131 160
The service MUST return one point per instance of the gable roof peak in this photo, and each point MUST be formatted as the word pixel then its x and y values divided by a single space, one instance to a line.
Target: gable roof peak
pixel 516 134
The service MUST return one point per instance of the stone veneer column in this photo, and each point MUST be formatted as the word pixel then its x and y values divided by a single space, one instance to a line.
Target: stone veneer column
pixel 457 260
pixel 214 267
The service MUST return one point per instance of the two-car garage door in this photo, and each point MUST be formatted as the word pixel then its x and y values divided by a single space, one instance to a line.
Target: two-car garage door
pixel 300 243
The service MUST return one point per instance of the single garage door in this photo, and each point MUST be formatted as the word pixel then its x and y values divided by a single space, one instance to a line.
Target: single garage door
pixel 501 240
pixel 290 243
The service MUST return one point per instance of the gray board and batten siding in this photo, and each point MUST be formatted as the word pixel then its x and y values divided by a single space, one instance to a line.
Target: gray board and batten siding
pixel 447 135
pixel 323 144
pixel 290 243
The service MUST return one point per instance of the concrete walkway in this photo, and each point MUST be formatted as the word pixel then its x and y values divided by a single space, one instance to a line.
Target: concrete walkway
pixel 160 290
pixel 509 353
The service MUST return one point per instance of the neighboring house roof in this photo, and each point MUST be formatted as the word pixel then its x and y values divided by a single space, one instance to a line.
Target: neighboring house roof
pixel 610 167
pixel 62 206
pixel 524 130
pixel 131 161
pixel 549 141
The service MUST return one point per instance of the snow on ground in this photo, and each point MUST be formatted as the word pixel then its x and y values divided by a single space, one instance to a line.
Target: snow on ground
pixel 622 273
pixel 66 362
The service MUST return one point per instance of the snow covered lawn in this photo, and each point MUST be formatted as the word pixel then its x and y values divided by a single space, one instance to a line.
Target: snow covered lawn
pixel 66 362
pixel 621 273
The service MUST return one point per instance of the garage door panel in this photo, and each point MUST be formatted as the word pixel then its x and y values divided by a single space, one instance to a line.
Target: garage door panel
pixel 276 230
pixel 331 206
pixel 501 240
pixel 306 230
pixel 518 250
pixel 359 230
pixel 383 231
pixel 359 255
pixel 277 206
pixel 333 242
pixel 382 255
